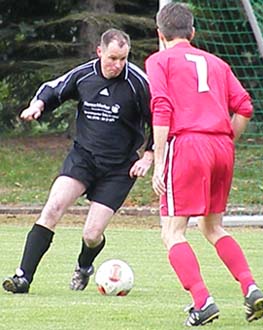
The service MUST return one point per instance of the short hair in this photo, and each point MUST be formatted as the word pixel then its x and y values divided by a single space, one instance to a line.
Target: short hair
pixel 113 34
pixel 175 20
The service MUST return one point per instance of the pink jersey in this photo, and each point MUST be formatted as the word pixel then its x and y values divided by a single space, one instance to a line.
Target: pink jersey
pixel 194 91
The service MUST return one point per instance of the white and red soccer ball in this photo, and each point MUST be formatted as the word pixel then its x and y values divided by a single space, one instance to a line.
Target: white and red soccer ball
pixel 114 277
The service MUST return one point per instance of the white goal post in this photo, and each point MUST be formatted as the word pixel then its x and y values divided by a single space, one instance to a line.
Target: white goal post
pixel 254 24
pixel 163 3
pixel 251 17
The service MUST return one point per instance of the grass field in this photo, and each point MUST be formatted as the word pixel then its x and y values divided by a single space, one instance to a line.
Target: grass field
pixel 156 301
pixel 28 166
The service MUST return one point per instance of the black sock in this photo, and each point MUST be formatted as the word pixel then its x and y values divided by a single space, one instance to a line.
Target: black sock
pixel 87 254
pixel 37 243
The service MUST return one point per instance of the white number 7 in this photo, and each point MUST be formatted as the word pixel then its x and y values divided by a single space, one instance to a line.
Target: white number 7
pixel 201 70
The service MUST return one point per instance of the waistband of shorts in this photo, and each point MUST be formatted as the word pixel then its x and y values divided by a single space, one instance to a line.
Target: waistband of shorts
pixel 210 134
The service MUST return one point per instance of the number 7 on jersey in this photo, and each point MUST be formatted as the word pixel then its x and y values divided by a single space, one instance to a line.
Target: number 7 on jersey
pixel 201 70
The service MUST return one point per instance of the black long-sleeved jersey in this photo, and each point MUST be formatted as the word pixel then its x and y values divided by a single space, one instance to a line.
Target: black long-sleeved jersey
pixel 112 113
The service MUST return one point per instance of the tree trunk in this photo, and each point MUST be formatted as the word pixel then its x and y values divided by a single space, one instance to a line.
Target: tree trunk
pixel 91 32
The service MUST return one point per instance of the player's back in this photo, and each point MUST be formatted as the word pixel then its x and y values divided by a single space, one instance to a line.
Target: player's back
pixel 196 84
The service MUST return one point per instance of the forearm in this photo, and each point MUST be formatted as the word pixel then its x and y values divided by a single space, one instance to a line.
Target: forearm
pixel 239 124
pixel 160 134
pixel 148 155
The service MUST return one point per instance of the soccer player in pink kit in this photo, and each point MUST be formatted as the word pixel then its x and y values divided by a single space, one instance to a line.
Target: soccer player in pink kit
pixel 194 94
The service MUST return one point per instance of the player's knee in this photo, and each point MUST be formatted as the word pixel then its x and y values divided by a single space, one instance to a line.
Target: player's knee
pixel 92 237
pixel 213 233
pixel 171 238
pixel 51 213
pixel 164 238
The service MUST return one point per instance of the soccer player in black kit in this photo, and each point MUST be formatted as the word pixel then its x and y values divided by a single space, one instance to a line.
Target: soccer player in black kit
pixel 113 110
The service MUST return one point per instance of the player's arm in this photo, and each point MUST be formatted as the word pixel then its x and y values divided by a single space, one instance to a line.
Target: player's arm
pixel 161 107
pixel 144 97
pixel 142 166
pixel 33 112
pixel 51 95
pixel 239 124
pixel 160 136
pixel 240 104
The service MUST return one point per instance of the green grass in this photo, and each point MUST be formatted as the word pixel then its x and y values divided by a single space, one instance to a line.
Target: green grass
pixel 27 170
pixel 26 175
pixel 247 187
pixel 155 303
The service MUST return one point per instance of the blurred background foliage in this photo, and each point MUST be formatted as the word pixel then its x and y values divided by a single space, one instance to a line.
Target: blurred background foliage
pixel 41 39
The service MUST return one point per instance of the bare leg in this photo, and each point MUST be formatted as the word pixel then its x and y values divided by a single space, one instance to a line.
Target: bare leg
pixel 92 243
pixel 63 194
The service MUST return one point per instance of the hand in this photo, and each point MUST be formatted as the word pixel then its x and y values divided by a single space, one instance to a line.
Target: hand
pixel 158 180
pixel 141 167
pixel 33 112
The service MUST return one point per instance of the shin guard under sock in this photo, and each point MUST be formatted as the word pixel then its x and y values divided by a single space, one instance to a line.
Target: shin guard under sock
pixel 87 254
pixel 186 266
pixel 233 257
pixel 37 243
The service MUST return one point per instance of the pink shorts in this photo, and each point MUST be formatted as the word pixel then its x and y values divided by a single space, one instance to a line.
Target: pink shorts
pixel 198 175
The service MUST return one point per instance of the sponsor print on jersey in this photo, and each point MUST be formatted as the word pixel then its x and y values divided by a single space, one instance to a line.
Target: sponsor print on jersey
pixel 101 111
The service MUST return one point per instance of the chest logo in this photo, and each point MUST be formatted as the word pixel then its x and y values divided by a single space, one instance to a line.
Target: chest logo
pixel 115 108
pixel 104 92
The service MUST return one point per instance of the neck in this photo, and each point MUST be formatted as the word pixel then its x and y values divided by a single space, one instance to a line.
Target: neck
pixel 170 44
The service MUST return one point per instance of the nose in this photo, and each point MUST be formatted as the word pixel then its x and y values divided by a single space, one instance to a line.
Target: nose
pixel 118 64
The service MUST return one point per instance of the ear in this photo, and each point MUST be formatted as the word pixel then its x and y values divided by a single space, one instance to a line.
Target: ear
pixel 160 35
pixel 162 40
pixel 193 33
pixel 99 51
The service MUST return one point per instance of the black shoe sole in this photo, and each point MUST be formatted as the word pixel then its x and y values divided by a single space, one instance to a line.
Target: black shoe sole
pixel 211 318
pixel 258 310
pixel 78 288
pixel 10 286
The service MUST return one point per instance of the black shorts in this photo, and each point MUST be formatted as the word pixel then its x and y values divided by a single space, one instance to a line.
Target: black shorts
pixel 106 184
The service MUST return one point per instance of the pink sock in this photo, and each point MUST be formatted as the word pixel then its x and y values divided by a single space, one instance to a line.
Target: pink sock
pixel 233 257
pixel 186 266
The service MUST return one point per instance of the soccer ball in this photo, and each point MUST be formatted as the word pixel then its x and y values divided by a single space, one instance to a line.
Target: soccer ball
pixel 114 277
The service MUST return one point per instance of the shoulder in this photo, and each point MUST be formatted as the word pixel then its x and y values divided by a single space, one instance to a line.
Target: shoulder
pixel 159 59
pixel 155 57
pixel 211 57
pixel 87 65
pixel 136 73
pixel 84 69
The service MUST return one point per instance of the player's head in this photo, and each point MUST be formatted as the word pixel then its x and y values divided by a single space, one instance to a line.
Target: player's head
pixel 119 36
pixel 175 21
pixel 113 52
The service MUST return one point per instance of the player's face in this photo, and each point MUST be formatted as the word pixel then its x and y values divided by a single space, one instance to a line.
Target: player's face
pixel 113 59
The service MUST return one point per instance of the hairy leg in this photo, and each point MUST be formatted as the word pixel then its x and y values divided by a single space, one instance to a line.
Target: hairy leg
pixel 63 194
